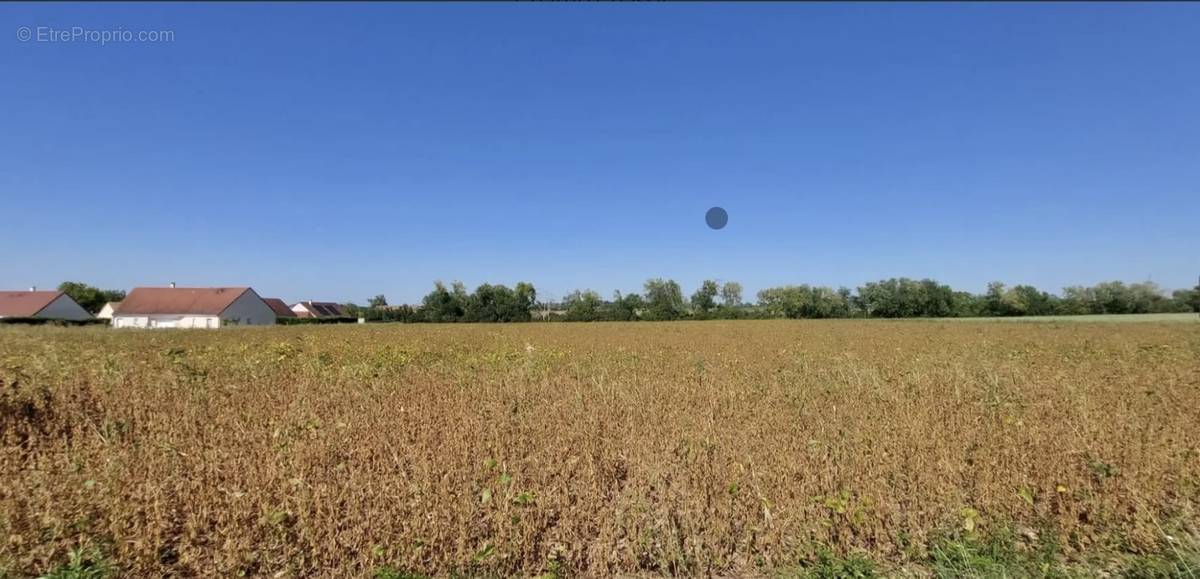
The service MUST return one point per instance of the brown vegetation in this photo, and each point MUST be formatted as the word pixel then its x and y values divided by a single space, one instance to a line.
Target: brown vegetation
pixel 683 448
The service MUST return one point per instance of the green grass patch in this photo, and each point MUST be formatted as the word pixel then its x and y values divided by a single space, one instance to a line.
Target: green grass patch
pixel 826 564
pixel 1177 560
pixel 999 554
pixel 83 563
pixel 852 566
pixel 387 572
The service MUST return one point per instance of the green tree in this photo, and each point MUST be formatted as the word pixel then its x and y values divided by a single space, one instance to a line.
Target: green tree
pixel 1027 300
pixel 966 304
pixel 442 305
pixel 803 301
pixel 487 303
pixel 1146 297
pixel 526 297
pixel 935 300
pixel 377 302
pixel 1187 299
pixel 1113 297
pixel 890 298
pixel 731 294
pixel 848 302
pixel 704 300
pixel 1077 300
pixel 583 306
pixel 626 308
pixel 664 299
pixel 1000 301
pixel 89 297
pixel 498 303
pixel 401 313
pixel 907 298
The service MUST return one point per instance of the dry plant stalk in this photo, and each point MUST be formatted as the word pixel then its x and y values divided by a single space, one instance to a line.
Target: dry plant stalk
pixel 675 448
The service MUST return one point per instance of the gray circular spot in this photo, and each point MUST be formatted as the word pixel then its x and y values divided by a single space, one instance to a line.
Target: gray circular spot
pixel 716 218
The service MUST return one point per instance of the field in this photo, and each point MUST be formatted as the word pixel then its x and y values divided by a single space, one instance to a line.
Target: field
pixel 730 448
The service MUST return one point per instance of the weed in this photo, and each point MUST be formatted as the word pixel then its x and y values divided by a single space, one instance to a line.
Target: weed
pixel 394 573
pixel 83 563
pixel 831 566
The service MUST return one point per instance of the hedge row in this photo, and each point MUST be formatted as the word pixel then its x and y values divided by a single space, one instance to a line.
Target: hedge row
pixel 303 321
pixel 52 322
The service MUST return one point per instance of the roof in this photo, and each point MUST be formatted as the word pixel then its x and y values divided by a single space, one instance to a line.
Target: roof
pixel 25 304
pixel 204 301
pixel 324 309
pixel 113 305
pixel 279 307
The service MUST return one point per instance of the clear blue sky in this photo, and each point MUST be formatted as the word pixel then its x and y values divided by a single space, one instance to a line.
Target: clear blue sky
pixel 340 151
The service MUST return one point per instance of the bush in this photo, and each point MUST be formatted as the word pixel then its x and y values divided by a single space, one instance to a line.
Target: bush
pixel 308 321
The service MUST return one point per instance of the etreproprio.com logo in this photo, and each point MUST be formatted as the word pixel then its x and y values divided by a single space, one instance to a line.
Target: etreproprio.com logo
pixel 92 35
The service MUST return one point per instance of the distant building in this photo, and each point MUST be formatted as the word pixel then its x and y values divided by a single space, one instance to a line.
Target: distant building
pixel 106 312
pixel 280 308
pixel 319 310
pixel 47 305
pixel 211 307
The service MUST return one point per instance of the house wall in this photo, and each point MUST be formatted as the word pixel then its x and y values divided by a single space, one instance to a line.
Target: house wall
pixel 301 311
pixel 249 310
pixel 165 321
pixel 63 308
pixel 106 312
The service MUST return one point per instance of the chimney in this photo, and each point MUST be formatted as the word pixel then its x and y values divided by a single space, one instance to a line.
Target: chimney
pixel 172 285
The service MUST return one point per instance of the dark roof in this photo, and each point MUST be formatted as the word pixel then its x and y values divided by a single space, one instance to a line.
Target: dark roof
pixel 281 309
pixel 205 301
pixel 25 304
pixel 324 309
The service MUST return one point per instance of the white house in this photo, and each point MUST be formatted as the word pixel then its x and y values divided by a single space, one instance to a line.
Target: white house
pixel 209 307
pixel 106 312
pixel 50 305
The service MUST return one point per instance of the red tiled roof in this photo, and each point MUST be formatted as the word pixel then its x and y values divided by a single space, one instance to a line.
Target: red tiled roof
pixel 281 309
pixel 204 301
pixel 25 304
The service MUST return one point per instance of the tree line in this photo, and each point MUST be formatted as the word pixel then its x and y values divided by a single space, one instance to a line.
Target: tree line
pixel 908 298
pixel 664 300
pixel 488 303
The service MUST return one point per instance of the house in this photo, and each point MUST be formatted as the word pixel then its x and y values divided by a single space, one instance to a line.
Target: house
pixel 106 312
pixel 319 310
pixel 204 307
pixel 280 308
pixel 46 305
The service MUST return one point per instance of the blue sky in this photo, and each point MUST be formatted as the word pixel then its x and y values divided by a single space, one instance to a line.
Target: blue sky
pixel 340 151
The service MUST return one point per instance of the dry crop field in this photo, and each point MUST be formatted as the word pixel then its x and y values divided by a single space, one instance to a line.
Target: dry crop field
pixel 725 448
